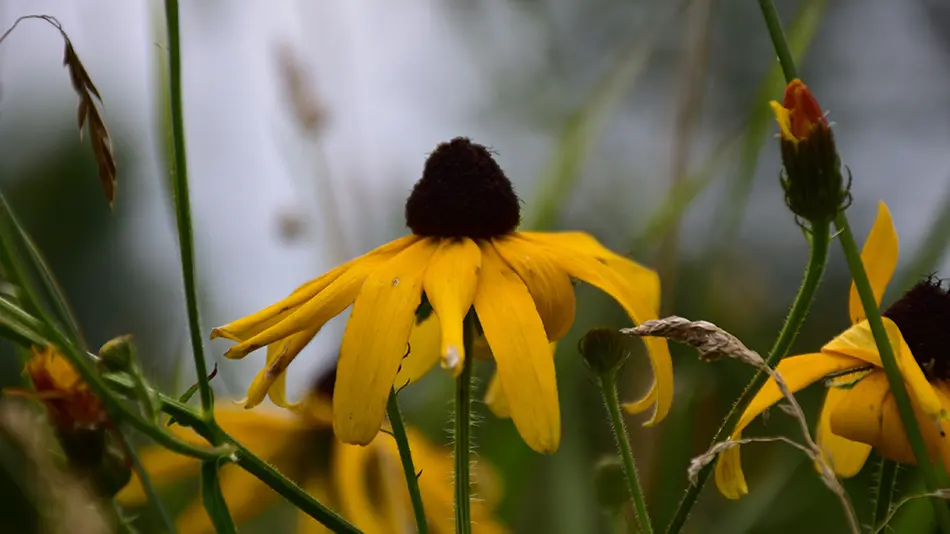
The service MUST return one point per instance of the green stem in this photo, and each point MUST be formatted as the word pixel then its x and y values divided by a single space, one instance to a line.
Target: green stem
pixel 167 523
pixel 818 258
pixel 463 427
pixel 609 389
pixel 405 455
pixel 778 39
pixel 186 238
pixel 934 478
pixel 290 491
pixel 886 482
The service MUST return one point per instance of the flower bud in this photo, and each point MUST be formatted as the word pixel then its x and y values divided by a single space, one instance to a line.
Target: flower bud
pixel 812 179
pixel 610 483
pixel 604 350
pixel 117 353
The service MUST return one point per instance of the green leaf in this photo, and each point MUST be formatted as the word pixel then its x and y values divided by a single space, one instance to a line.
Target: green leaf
pixel 213 499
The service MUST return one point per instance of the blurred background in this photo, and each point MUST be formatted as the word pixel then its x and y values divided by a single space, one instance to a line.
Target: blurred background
pixel 643 123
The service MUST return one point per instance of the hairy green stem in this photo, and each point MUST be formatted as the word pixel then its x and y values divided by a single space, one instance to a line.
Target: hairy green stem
pixel 405 455
pixel 779 41
pixel 934 477
pixel 818 258
pixel 186 239
pixel 463 427
pixel 886 482
pixel 609 390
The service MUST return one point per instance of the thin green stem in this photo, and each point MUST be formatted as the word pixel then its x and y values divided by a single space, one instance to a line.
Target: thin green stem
pixel 290 491
pixel 186 239
pixel 886 482
pixel 405 455
pixel 818 258
pixel 167 523
pixel 779 41
pixel 935 478
pixel 463 427
pixel 609 389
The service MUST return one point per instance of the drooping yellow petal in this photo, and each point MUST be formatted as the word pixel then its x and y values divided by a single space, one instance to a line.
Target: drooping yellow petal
pixel 550 286
pixel 315 313
pixel 858 416
pixel 522 353
pixel 798 372
pixel 318 410
pixel 375 342
pixel 645 280
pixel 641 405
pixel 879 258
pixel 496 400
pixel 272 379
pixel 425 341
pixel 450 282
pixel 894 444
pixel 353 488
pixel 318 488
pixel 246 497
pixel 495 396
pixel 602 272
pixel 845 456
pixel 858 342
pixel 249 326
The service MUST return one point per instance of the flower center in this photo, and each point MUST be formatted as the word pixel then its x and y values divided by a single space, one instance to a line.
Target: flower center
pixel 923 316
pixel 462 193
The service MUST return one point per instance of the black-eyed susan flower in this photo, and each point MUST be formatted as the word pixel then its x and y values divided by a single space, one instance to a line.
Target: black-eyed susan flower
pixel 859 412
pixel 366 485
pixel 464 253
pixel 814 187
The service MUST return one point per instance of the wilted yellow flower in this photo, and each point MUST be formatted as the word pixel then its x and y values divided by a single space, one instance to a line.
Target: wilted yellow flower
pixel 70 403
pixel 859 411
pixel 366 485
pixel 464 253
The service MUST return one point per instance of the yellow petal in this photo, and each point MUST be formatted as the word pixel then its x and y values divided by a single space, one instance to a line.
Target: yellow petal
pixel 550 286
pixel 858 342
pixel 496 400
pixel 317 487
pixel 784 120
pixel 637 295
pixel 798 372
pixel 450 282
pixel 313 314
pixel 495 396
pixel 845 456
pixel 352 481
pixel 375 343
pixel 645 280
pixel 522 353
pixel 272 379
pixel 245 495
pixel 641 405
pixel 249 326
pixel 894 444
pixel 879 258
pixel 318 410
pixel 425 340
pixel 858 414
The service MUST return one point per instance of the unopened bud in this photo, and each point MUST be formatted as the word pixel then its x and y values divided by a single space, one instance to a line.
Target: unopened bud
pixel 812 179
pixel 118 354
pixel 604 350
pixel 610 483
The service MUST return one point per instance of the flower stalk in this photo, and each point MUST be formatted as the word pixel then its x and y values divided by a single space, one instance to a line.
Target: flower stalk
pixel 405 456
pixel 463 427
pixel 608 387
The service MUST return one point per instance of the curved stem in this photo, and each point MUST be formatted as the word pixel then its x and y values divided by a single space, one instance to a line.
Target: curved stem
pixel 818 258
pixel 886 482
pixel 405 455
pixel 463 426
pixel 934 477
pixel 779 42
pixel 609 390
pixel 186 239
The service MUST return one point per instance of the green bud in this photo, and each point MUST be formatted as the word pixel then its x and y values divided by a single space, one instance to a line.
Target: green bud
pixel 118 354
pixel 610 483
pixel 604 350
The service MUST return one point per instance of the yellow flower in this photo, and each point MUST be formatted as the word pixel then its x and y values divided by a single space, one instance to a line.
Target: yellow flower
pixel 70 403
pixel 365 485
pixel 859 411
pixel 464 252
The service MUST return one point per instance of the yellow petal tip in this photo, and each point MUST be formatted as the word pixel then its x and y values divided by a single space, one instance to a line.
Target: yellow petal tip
pixel 452 360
